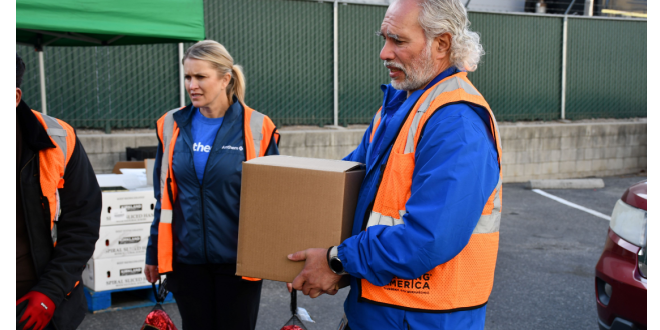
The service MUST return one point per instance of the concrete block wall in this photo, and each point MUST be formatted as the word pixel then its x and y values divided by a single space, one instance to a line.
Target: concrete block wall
pixel 104 150
pixel 578 150
pixel 530 151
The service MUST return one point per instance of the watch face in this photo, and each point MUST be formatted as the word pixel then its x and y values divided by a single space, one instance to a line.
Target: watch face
pixel 336 265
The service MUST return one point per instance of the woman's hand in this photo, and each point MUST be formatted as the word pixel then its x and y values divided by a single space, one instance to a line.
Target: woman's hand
pixel 151 272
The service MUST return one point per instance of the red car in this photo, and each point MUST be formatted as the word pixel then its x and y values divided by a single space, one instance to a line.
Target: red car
pixel 621 271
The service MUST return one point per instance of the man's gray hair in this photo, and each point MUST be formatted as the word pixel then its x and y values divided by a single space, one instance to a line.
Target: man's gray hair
pixel 441 16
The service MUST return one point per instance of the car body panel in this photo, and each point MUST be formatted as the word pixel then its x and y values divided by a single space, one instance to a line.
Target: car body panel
pixel 618 267
pixel 636 196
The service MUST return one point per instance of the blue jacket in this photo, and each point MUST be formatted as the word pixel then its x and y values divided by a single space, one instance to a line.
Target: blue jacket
pixel 456 170
pixel 205 222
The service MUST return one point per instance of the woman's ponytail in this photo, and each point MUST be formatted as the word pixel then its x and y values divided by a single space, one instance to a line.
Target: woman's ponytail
pixel 237 85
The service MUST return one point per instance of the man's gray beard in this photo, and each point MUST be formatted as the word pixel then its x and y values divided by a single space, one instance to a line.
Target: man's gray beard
pixel 418 74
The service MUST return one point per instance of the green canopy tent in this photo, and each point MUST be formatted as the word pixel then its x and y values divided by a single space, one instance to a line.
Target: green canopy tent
pixel 42 23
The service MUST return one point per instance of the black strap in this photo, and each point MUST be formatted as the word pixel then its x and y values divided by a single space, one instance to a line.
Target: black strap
pixel 153 287
pixel 294 301
pixel 161 293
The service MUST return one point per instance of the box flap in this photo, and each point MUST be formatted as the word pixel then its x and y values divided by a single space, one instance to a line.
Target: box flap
pixel 327 165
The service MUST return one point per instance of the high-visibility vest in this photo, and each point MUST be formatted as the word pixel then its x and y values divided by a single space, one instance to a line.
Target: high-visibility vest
pixel 464 282
pixel 258 131
pixel 52 164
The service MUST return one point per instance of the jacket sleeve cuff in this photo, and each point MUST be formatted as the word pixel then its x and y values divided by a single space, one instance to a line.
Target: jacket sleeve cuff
pixel 152 254
pixel 343 256
pixel 50 292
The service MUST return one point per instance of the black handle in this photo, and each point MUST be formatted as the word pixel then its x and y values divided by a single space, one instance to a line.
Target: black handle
pixel 153 287
pixel 161 293
pixel 294 301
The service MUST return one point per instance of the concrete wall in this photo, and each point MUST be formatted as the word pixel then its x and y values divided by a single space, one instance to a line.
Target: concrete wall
pixel 559 151
pixel 530 151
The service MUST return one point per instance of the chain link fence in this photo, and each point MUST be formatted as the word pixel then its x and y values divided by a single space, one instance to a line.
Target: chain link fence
pixel 105 87
pixel 286 50
pixel 606 73
pixel 520 74
pixel 361 71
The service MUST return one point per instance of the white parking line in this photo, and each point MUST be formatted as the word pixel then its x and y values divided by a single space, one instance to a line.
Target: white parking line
pixel 565 202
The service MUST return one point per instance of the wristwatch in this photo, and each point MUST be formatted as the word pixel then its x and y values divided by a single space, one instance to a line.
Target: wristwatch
pixel 333 261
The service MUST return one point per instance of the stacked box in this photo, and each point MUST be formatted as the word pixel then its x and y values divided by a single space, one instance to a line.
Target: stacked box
pixel 128 207
pixel 114 273
pixel 122 241
pixel 126 216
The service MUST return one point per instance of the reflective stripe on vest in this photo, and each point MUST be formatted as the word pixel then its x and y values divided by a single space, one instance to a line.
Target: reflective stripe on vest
pixel 258 131
pixel 52 164
pixel 464 282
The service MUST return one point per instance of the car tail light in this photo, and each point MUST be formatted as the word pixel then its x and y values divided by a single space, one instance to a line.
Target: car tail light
pixel 629 223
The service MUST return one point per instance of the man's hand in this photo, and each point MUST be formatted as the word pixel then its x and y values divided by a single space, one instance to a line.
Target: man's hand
pixel 38 311
pixel 151 272
pixel 316 278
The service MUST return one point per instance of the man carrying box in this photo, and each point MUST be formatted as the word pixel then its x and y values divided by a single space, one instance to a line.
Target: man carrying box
pixel 426 226
pixel 58 214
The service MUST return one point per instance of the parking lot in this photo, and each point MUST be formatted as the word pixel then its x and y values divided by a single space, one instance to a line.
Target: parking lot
pixel 544 277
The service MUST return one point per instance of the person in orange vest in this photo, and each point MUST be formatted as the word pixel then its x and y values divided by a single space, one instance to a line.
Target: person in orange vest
pixel 426 225
pixel 197 184
pixel 58 214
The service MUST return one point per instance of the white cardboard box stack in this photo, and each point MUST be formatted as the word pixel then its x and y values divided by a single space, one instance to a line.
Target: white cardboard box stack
pixel 126 217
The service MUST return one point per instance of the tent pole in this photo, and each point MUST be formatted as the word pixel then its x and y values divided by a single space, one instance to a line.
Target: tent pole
pixel 42 81
pixel 182 87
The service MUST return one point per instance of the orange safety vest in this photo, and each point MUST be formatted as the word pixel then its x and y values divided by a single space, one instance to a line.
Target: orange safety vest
pixel 52 164
pixel 258 131
pixel 464 282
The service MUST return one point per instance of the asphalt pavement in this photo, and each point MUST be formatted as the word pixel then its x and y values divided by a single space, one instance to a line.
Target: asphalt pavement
pixel 544 277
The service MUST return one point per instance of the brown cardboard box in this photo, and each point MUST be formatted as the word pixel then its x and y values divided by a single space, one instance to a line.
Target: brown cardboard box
pixel 289 204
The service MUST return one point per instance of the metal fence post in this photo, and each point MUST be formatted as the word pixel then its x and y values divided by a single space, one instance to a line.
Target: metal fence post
pixel 563 67
pixel 182 87
pixel 335 50
pixel 42 81
pixel 563 61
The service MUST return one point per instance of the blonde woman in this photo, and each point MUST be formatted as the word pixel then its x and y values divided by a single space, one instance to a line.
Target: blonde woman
pixel 197 183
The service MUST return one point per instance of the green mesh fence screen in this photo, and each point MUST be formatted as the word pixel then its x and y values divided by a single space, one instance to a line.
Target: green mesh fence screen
pixel 361 72
pixel 606 76
pixel 105 87
pixel 286 50
pixel 30 84
pixel 520 74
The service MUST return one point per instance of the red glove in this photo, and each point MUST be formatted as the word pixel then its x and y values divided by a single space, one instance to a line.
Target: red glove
pixel 38 312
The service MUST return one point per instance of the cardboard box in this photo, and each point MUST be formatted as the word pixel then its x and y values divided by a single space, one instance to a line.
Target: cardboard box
pixel 289 204
pixel 128 207
pixel 115 273
pixel 122 241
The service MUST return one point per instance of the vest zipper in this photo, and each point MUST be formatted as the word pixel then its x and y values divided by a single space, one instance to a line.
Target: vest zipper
pixel 201 194
pixel 201 191
pixel 201 198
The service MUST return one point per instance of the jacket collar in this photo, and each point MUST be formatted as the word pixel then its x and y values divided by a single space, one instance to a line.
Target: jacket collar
pixel 396 104
pixel 34 134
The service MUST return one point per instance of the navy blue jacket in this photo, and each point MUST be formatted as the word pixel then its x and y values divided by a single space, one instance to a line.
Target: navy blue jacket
pixel 205 222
